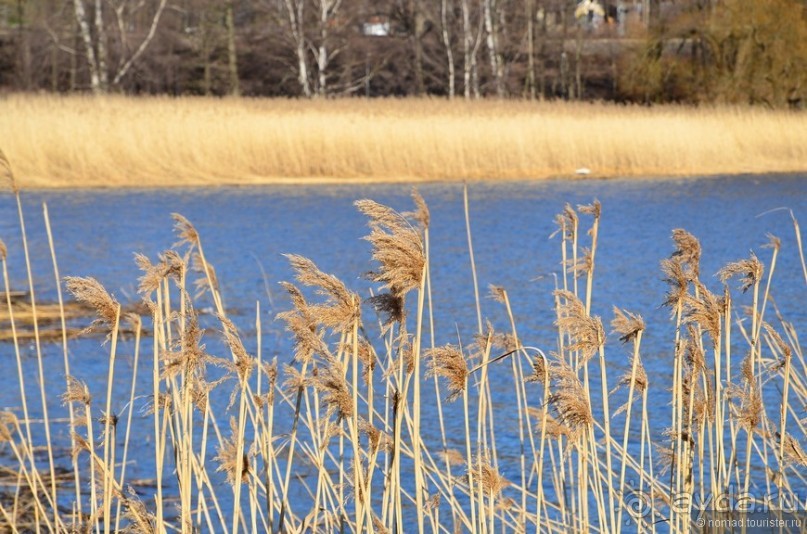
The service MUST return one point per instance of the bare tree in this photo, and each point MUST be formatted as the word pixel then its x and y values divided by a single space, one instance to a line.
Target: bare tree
pixel 295 13
pixel 95 39
pixel 327 11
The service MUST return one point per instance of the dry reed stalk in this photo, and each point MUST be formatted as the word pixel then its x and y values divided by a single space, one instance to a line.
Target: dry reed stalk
pixel 71 414
pixel 629 327
pixel 37 342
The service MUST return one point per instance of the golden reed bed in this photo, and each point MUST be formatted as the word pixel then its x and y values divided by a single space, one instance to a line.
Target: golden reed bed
pixel 120 141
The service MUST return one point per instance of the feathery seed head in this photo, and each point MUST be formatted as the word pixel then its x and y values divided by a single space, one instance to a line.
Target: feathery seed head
pixel 627 325
pixel 397 248
pixel 77 391
pixel 594 209
pixel 586 332
pixel 706 311
pixel 749 271
pixel 421 213
pixel 185 230
pixel 91 292
pixel 342 307
pixel 449 363
pixel 228 453
pixel 687 251
pixel 570 400
pixel 773 242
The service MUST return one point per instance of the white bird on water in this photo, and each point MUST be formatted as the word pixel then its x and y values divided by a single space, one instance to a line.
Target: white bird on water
pixel 583 171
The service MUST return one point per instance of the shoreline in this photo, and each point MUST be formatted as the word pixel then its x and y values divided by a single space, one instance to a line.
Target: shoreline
pixel 361 181
pixel 122 142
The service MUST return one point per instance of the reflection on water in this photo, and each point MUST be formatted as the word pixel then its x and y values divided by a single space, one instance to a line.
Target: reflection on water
pixel 245 231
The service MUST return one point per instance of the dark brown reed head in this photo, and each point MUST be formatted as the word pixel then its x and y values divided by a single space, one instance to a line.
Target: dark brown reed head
pixel 627 325
pixel 687 251
pixel 207 279
pixel 243 363
pixel 448 362
pixel 77 391
pixel 749 413
pixel 141 521
pixel 185 231
pixel 783 348
pixel 585 263
pixel 390 307
pixel 594 209
pixel 376 438
pixel 586 332
pixel 773 243
pixel 341 308
pixel 301 323
pixel 91 292
pixel 228 453
pixel 749 271
pixel 333 388
pixel 540 370
pixel 678 280
pixel 693 350
pixel 705 310
pixel 497 293
pixel 570 400
pixel 571 220
pixel 421 214
pixel 397 248
pixel 190 358
pixel 493 483
pixel 639 383
pixel 793 450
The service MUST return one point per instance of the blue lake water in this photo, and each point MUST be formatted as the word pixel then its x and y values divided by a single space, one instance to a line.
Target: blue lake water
pixel 245 230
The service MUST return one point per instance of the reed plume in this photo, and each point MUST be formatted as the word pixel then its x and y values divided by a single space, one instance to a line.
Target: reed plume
pixel 91 292
pixel 448 362
pixel 687 252
pixel 586 332
pixel 749 271
pixel 228 456
pixel 397 247
pixel 627 325
pixel 569 399
pixel 341 307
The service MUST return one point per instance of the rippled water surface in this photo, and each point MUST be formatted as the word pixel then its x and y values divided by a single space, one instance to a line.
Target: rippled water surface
pixel 245 230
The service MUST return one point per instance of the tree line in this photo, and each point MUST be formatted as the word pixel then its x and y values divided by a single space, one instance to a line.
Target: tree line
pixel 737 51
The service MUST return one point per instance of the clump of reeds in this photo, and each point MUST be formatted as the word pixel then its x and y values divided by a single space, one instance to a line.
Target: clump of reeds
pixel 340 442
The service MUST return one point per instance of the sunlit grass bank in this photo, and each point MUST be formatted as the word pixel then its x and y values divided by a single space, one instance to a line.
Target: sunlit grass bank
pixel 118 141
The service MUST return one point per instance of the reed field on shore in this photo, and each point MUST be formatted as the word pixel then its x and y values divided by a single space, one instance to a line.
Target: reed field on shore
pixel 116 141
pixel 328 436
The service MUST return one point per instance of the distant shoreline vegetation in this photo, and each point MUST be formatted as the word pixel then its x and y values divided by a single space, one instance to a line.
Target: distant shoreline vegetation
pixel 116 141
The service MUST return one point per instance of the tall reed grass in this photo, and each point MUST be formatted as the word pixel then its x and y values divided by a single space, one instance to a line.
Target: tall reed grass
pixel 356 458
pixel 161 142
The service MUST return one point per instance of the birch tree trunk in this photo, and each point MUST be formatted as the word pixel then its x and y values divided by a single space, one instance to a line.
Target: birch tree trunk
pixel 492 40
pixel 467 43
pixel 100 46
pixel 449 51
pixel 295 9
pixel 86 37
